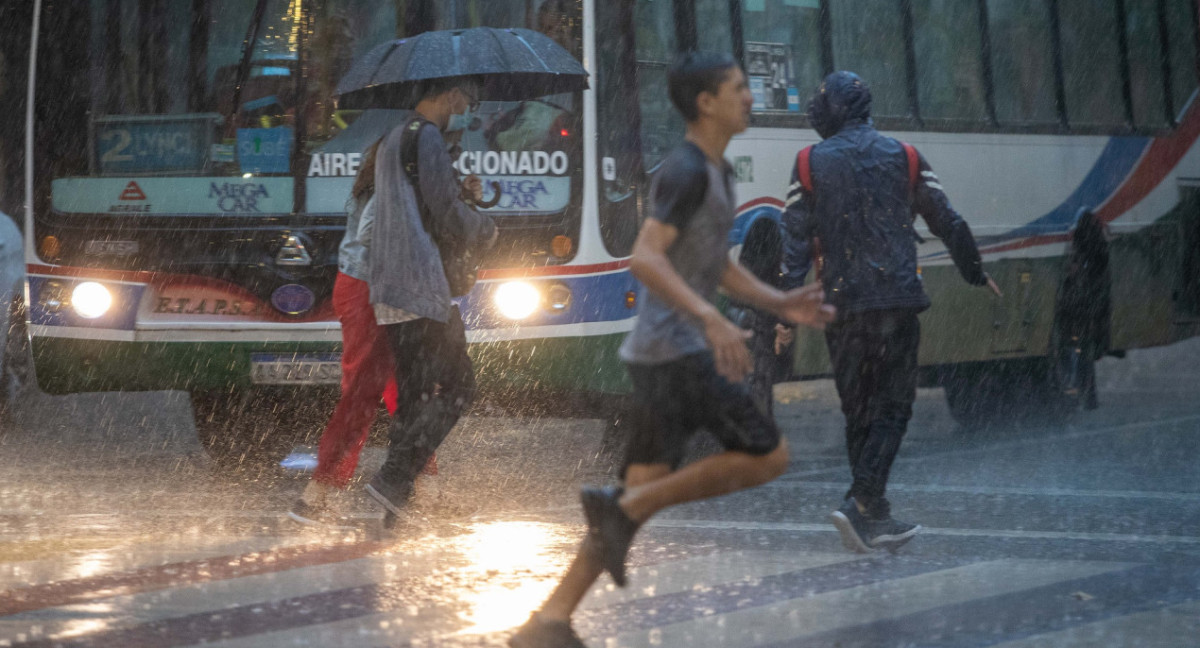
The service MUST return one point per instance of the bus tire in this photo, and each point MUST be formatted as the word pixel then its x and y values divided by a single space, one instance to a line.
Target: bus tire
pixel 241 429
pixel 1004 393
pixel 17 377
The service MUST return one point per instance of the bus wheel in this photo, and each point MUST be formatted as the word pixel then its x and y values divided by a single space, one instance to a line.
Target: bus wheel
pixel 241 429
pixel 17 378
pixel 996 394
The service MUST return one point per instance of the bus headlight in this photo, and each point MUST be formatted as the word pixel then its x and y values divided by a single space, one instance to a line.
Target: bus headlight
pixel 517 299
pixel 91 300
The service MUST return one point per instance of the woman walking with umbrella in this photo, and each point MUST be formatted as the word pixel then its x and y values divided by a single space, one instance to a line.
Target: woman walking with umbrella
pixel 426 226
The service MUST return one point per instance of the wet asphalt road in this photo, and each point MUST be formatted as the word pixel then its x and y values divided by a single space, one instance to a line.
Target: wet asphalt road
pixel 116 530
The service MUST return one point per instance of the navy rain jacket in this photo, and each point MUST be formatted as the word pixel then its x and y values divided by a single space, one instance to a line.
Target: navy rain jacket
pixel 861 209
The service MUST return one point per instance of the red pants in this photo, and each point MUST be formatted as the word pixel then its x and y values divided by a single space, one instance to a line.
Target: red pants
pixel 366 374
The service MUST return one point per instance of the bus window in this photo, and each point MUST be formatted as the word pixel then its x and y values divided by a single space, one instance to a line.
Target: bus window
pixel 868 38
pixel 14 66
pixel 531 149
pixel 793 28
pixel 1181 26
pixel 949 60
pixel 618 129
pixel 716 36
pixel 1145 63
pixel 656 43
pixel 1022 62
pixel 1091 63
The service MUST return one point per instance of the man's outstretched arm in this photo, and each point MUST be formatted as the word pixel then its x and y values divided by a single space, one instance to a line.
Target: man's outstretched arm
pixel 803 305
pixel 930 201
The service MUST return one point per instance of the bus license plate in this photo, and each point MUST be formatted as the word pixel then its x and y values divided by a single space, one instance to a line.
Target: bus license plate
pixel 296 369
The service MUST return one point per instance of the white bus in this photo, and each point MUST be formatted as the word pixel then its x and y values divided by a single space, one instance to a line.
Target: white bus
pixel 1026 109
pixel 185 170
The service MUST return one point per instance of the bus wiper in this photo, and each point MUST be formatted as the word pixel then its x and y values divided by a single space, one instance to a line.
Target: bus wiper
pixel 260 10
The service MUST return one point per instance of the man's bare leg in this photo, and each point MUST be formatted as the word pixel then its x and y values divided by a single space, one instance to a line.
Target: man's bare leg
pixel 649 488
pixel 719 474
pixel 584 570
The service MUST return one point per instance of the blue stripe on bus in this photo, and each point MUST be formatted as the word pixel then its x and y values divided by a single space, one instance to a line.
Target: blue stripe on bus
pixel 745 219
pixel 594 298
pixel 1107 175
pixel 122 315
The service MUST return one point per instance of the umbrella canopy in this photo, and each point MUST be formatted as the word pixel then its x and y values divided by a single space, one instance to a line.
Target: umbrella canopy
pixel 511 65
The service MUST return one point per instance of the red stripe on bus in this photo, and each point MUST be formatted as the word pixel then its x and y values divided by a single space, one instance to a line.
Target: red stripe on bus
pixel 131 276
pixel 1162 156
pixel 548 271
pixel 161 279
pixel 1151 170
pixel 1032 241
pixel 758 202
pixel 80 590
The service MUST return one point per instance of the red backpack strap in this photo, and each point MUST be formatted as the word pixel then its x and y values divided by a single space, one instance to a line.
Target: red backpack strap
pixel 914 164
pixel 804 168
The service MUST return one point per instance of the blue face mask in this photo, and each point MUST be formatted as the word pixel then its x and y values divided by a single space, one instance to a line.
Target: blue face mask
pixel 458 123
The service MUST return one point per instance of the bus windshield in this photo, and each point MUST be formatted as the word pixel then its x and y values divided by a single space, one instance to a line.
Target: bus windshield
pixel 180 126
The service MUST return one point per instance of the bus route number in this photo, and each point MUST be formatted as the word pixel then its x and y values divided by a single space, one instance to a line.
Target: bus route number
pixel 133 147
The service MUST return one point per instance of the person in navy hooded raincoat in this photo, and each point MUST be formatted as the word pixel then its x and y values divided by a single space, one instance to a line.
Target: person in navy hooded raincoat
pixel 855 204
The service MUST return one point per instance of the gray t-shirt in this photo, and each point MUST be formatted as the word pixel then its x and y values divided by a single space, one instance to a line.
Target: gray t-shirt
pixel 696 196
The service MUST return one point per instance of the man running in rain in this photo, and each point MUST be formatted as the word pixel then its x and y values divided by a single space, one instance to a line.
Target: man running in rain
pixel 422 215
pixel 855 193
pixel 686 360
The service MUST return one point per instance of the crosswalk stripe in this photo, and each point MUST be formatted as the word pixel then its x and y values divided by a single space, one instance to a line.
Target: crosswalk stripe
pixel 515 606
pixel 146 607
pixel 973 489
pixel 84 563
pixel 795 618
pixel 1166 425
pixel 387 599
pixel 725 567
pixel 1164 628
pixel 298 591
pixel 744 525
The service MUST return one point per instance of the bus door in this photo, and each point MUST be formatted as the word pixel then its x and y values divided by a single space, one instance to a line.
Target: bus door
pixel 1187 307
pixel 1013 314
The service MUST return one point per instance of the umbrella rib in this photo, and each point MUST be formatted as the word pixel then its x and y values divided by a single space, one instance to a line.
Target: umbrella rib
pixel 391 50
pixel 538 58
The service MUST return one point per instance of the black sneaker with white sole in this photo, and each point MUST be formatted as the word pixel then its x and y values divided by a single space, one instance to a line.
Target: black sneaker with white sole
pixel 610 530
pixel 393 498
pixel 853 526
pixel 891 534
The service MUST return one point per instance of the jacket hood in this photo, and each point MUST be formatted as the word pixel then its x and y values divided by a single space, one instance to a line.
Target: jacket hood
pixel 842 99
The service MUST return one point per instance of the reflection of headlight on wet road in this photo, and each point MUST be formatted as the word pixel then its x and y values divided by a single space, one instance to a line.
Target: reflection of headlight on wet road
pixel 91 300
pixel 517 299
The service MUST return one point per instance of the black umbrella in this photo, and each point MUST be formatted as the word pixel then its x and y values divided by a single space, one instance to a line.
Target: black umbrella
pixel 511 65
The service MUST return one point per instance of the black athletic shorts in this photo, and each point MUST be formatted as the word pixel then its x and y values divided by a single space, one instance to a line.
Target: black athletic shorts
pixel 671 401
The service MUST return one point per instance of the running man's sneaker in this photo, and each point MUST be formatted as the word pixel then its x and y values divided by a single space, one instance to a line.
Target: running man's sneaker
pixel 544 633
pixel 610 530
pixel 393 498
pixel 891 534
pixel 854 527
